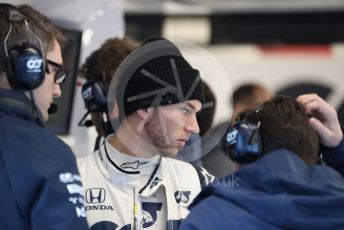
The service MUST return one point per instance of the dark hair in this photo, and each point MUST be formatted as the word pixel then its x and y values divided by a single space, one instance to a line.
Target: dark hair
pixel 284 125
pixel 245 94
pixel 107 58
pixel 38 23
pixel 102 64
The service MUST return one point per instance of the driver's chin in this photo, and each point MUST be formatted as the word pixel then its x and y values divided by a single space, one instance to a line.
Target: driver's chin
pixel 169 152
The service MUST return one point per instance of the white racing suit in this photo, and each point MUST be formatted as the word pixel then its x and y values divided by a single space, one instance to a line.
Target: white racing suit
pixel 126 192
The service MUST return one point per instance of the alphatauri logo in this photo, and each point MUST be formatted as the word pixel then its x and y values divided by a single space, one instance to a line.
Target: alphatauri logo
pixel 231 137
pixel 34 64
pixel 155 182
pixel 149 213
pixel 87 93
pixel 182 196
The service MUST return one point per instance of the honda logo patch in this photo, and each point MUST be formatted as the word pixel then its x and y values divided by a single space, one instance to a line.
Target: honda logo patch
pixel 95 195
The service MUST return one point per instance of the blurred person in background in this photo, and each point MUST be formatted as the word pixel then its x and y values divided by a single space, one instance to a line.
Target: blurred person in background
pixel 246 96
pixel 98 69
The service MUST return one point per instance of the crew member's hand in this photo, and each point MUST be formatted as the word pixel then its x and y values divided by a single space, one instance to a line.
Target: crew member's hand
pixel 324 119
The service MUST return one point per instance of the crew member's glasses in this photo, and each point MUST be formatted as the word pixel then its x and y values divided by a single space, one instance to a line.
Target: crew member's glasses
pixel 61 71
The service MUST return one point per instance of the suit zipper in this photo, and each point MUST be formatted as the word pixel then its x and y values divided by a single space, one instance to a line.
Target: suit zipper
pixel 136 211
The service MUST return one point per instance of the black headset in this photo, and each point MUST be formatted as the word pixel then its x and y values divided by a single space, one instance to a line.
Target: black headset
pixel 26 63
pixel 94 92
pixel 94 95
pixel 243 141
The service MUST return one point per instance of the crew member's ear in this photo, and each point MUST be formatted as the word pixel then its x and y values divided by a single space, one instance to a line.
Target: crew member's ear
pixel 146 113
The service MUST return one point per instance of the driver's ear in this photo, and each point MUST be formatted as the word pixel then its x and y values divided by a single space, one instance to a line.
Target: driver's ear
pixel 146 113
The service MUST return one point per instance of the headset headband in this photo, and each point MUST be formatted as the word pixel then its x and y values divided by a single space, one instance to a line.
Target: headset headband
pixel 26 63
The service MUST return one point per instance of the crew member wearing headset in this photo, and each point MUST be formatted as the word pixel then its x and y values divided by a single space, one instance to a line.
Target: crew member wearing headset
pixel 39 180
pixel 279 186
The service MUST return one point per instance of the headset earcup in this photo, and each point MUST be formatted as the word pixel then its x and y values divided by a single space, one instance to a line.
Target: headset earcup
pixel 244 143
pixel 94 96
pixel 26 68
